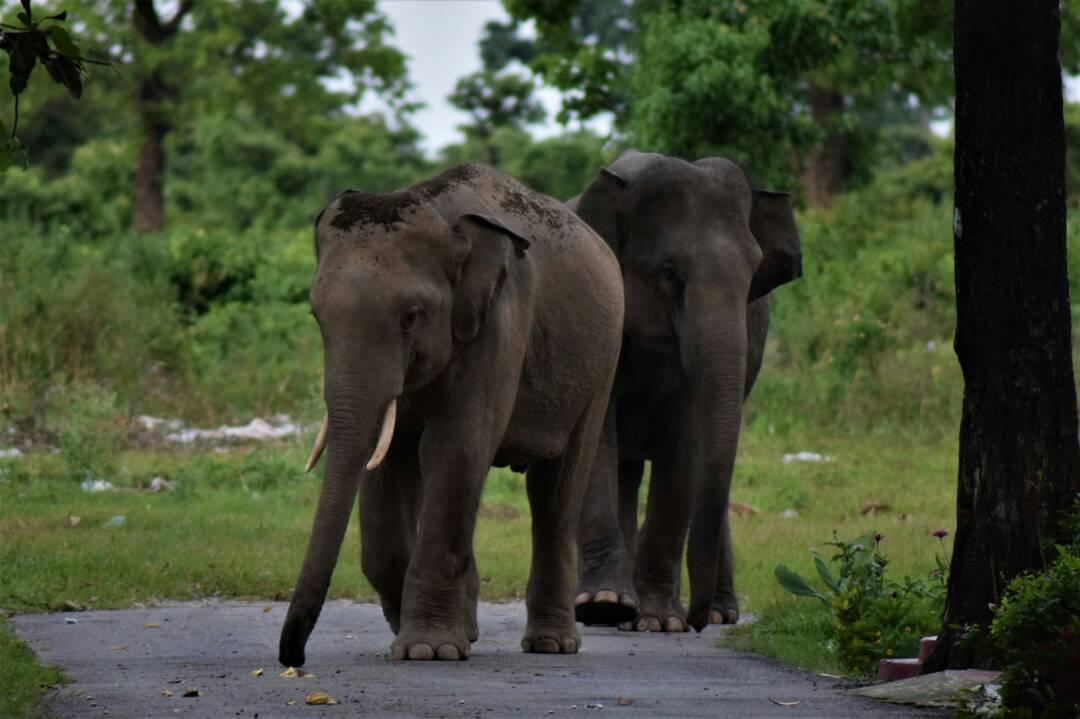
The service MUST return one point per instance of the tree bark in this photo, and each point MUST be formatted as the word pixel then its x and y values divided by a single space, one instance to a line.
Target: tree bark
pixel 828 164
pixel 152 102
pixel 1019 455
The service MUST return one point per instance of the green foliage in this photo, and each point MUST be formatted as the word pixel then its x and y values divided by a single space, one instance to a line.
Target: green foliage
pixel 863 340
pixel 29 42
pixel 89 431
pixel 1036 636
pixel 874 618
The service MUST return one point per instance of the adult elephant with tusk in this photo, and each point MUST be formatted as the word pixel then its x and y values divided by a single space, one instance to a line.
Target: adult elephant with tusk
pixel 699 251
pixel 466 321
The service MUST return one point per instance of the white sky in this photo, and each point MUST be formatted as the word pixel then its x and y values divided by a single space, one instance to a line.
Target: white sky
pixel 440 38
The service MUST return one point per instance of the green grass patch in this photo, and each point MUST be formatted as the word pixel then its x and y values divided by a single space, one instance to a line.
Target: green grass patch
pixel 238 523
pixel 23 680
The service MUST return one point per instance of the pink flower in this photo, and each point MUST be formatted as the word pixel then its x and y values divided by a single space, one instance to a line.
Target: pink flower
pixel 940 534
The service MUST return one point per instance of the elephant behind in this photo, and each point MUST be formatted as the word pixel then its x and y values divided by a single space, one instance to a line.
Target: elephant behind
pixel 699 252
pixel 466 321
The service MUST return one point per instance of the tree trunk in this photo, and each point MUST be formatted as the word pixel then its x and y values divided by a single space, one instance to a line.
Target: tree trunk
pixel 828 164
pixel 149 211
pixel 153 101
pixel 1019 455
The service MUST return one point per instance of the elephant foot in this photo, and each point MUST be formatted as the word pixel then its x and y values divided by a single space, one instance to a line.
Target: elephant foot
pixel 427 645
pixel 667 617
pixel 472 626
pixel 605 607
pixel 551 639
pixel 724 613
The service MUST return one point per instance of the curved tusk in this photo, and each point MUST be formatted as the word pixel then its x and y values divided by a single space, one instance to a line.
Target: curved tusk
pixel 385 435
pixel 320 444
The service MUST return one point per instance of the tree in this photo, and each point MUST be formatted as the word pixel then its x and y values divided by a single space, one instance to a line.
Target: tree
pixel 289 64
pixel 495 101
pixel 1019 456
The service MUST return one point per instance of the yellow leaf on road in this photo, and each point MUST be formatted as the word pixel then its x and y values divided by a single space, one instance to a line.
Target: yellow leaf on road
pixel 293 673
pixel 320 698
pixel 166 693
pixel 152 625
pixel 257 673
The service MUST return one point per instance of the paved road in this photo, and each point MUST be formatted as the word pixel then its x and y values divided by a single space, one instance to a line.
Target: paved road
pixel 122 662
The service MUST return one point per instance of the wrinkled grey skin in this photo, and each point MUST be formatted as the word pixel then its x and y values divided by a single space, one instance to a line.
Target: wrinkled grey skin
pixel 493 315
pixel 699 252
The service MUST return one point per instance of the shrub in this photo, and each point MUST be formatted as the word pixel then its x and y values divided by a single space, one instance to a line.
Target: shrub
pixel 1036 634
pixel 89 429
pixel 873 617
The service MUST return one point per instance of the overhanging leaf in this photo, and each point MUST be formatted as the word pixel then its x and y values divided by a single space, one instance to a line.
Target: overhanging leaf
pixel 823 571
pixel 795 584
pixel 63 43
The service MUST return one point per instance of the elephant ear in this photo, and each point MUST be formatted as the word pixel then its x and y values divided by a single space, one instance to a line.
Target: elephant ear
pixel 772 222
pixel 598 205
pixel 485 249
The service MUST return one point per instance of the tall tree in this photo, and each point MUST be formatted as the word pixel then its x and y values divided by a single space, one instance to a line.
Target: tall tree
pixel 495 101
pixel 291 64
pixel 152 101
pixel 1019 456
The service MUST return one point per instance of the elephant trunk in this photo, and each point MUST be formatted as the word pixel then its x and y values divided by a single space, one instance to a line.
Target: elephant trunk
pixel 356 403
pixel 714 353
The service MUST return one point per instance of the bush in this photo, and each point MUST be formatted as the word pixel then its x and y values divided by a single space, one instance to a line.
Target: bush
pixel 1036 634
pixel 89 429
pixel 873 618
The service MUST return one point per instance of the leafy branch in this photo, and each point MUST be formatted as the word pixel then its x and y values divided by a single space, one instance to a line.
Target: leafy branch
pixel 28 43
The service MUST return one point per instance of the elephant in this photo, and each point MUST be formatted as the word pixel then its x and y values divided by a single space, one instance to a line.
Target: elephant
pixel 699 252
pixel 466 321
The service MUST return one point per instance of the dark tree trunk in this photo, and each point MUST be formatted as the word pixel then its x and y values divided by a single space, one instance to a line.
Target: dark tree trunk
pixel 1019 456
pixel 149 211
pixel 828 164
pixel 154 97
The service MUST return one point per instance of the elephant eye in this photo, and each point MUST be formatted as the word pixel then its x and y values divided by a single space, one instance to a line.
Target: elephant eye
pixel 410 318
pixel 671 274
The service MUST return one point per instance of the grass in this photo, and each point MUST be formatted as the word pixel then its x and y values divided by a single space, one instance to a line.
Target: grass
pixel 238 523
pixel 22 680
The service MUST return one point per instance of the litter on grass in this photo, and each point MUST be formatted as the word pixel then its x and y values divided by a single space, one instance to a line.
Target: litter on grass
pixel 807 457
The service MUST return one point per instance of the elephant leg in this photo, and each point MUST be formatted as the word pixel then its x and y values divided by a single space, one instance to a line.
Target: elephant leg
pixel 605 593
pixel 436 607
pixel 630 474
pixel 389 501
pixel 472 599
pixel 556 491
pixel 725 606
pixel 660 545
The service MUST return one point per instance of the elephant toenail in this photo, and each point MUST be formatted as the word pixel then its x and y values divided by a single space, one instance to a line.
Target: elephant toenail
pixel 421 652
pixel 626 626
pixel 606 597
pixel 627 601
pixel 583 598
pixel 448 652
pixel 674 624
pixel 547 645
pixel 570 647
pixel 398 653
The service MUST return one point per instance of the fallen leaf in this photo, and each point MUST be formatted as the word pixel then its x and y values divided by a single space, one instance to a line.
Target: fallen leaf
pixel 192 693
pixel 830 676
pixel 70 606
pixel 74 520
pixel 268 609
pixel 166 693
pixel 783 704
pixel 293 673
pixel 872 506
pixel 320 698
pixel 152 625
pixel 742 509
pixel 257 673
pixel 120 648
pixel 625 702
pixel 291 702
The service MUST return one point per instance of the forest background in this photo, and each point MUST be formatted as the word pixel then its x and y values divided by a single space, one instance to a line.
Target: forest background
pixel 193 302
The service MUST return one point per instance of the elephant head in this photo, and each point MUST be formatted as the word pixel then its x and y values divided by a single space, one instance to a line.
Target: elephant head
pixel 403 280
pixel 696 244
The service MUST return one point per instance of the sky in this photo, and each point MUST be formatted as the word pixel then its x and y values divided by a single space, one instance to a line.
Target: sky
pixel 440 38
